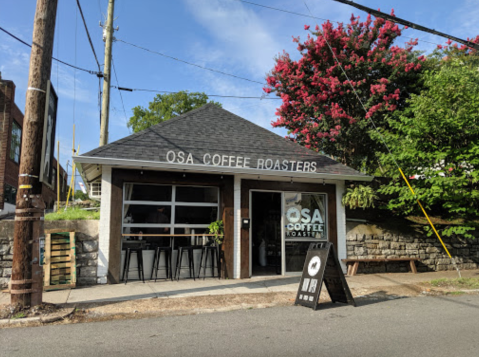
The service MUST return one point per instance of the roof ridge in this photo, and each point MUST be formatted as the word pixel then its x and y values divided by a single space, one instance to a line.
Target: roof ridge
pixel 144 131
pixel 182 116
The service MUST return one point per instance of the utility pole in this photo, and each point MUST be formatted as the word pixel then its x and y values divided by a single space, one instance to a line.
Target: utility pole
pixel 105 105
pixel 27 274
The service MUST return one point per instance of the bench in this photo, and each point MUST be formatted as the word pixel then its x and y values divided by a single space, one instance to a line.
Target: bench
pixel 353 264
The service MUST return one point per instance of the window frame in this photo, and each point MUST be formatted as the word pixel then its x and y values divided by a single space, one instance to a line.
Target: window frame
pixel 172 205
pixel 12 153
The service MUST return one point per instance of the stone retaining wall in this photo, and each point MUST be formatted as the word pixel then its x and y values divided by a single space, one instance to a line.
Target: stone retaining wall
pixel 371 241
pixel 86 238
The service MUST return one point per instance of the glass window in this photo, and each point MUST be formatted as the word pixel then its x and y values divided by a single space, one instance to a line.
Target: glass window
pixel 15 142
pixel 54 179
pixel 162 209
pixel 305 223
pixel 195 215
pixel 134 192
pixel 147 214
pixel 305 215
pixel 197 194
pixel 10 194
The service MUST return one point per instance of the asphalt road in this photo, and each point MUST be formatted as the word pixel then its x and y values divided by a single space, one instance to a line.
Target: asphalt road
pixel 422 326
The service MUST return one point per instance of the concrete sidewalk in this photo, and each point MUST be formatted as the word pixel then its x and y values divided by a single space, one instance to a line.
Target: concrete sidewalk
pixel 187 287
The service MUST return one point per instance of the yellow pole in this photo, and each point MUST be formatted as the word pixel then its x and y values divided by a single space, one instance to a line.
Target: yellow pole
pixel 58 175
pixel 71 182
pixel 429 220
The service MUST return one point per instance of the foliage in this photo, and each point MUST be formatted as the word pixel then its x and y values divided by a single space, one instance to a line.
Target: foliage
pixel 359 197
pixel 19 315
pixel 217 229
pixel 72 214
pixel 436 140
pixel 80 195
pixel 319 108
pixel 166 106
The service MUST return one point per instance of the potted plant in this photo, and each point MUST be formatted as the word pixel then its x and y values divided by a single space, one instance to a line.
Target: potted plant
pixel 216 228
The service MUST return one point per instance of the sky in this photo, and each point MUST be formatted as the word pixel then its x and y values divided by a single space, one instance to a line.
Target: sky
pixel 230 36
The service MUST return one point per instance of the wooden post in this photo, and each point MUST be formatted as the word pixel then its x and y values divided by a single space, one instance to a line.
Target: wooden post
pixel 27 275
pixel 105 105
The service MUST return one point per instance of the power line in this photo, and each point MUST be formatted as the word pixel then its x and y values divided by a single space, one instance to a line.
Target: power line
pixel 281 10
pixel 88 34
pixel 408 23
pixel 98 74
pixel 121 96
pixel 169 92
pixel 314 17
pixel 189 63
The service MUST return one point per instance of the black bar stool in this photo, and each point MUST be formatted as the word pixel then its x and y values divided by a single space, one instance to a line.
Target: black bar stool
pixel 191 264
pixel 214 252
pixel 156 261
pixel 138 250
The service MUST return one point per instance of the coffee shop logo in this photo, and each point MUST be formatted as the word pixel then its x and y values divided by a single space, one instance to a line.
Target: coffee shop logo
pixel 293 215
pixel 300 223
pixel 314 266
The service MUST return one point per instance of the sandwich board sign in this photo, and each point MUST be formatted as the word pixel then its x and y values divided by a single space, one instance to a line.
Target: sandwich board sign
pixel 322 265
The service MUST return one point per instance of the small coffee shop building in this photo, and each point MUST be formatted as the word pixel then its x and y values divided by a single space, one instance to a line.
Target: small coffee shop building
pixel 166 184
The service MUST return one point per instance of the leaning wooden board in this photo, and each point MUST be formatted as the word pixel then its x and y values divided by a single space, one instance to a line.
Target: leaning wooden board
pixel 60 264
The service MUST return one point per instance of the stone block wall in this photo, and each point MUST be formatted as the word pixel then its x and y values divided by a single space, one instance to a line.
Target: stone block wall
pixel 86 242
pixel 370 241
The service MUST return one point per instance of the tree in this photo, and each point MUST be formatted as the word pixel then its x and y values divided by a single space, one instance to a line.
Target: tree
pixel 166 106
pixel 436 140
pixel 81 196
pixel 319 108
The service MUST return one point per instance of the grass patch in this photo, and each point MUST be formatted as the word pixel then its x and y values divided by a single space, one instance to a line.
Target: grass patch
pixel 19 315
pixel 459 283
pixel 71 214
pixel 455 293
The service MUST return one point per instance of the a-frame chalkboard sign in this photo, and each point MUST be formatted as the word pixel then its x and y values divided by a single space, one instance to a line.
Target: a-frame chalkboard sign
pixel 322 265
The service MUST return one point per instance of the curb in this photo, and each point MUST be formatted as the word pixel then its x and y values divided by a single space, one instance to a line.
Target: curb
pixel 26 320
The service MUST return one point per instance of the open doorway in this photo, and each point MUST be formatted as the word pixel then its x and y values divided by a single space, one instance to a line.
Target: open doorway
pixel 266 233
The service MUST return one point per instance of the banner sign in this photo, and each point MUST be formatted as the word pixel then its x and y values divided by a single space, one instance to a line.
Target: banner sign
pixel 48 145
pixel 322 265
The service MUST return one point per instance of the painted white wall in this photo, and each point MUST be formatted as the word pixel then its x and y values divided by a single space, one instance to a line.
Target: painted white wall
pixel 341 223
pixel 104 225
pixel 237 228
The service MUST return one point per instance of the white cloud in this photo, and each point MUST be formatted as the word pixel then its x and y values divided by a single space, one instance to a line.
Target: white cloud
pixel 240 38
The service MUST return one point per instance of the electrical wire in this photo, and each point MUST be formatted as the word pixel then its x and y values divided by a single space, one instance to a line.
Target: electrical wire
pixel 88 35
pixel 313 17
pixel 121 96
pixel 99 74
pixel 189 63
pixel 209 95
pixel 398 20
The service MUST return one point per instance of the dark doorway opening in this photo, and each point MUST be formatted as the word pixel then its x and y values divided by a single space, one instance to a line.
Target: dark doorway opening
pixel 266 233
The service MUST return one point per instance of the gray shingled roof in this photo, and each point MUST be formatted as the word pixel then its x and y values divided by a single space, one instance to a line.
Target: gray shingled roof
pixel 213 130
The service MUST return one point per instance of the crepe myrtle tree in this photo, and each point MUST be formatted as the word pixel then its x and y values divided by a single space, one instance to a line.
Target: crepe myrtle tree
pixel 166 106
pixel 320 109
pixel 436 141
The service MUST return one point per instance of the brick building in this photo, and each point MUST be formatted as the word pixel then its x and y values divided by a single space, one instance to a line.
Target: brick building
pixel 11 127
